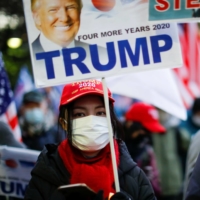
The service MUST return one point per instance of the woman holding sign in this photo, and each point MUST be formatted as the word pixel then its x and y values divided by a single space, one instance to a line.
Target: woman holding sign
pixel 85 157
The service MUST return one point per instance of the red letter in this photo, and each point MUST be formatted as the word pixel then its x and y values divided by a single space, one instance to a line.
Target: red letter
pixel 192 4
pixel 163 5
pixel 177 4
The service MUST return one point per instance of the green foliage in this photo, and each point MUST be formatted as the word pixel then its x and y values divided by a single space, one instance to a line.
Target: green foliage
pixel 14 59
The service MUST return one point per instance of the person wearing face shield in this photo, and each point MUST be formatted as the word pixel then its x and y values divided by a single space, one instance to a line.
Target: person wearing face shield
pixel 84 156
pixel 141 120
pixel 36 122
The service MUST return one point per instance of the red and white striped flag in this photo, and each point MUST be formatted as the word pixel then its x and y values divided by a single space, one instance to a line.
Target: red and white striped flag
pixel 188 76
pixel 8 112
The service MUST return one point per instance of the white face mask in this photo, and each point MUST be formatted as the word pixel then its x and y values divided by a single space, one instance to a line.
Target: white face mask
pixel 90 133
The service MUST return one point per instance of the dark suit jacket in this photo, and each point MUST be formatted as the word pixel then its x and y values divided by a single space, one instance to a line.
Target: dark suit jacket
pixel 37 47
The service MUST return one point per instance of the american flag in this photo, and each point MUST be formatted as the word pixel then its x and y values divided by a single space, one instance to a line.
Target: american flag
pixel 187 76
pixel 24 84
pixel 8 112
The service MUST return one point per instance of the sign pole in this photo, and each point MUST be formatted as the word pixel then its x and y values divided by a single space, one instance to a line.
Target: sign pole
pixel 113 156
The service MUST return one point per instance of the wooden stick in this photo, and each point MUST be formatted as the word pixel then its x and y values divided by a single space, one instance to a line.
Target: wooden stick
pixel 112 148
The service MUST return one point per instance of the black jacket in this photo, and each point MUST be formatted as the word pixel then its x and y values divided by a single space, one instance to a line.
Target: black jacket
pixel 50 172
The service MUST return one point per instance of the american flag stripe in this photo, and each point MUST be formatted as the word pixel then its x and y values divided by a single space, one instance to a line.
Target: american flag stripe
pixel 198 62
pixel 185 94
pixel 187 76
pixel 8 111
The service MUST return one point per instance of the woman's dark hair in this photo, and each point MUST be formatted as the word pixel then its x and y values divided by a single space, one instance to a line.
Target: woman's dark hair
pixel 117 127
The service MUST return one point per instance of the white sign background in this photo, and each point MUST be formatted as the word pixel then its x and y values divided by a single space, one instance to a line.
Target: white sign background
pixel 122 19
pixel 15 170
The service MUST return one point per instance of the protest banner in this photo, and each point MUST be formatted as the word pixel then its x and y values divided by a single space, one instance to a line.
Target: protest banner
pixel 15 167
pixel 174 10
pixel 96 39
pixel 75 40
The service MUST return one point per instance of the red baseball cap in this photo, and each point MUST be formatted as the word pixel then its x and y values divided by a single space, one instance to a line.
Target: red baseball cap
pixel 147 115
pixel 77 89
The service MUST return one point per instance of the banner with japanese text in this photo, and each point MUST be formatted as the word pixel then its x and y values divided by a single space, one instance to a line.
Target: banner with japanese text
pixel 72 39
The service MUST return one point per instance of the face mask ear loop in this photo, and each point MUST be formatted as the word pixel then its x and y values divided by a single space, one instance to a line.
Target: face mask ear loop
pixel 66 125
pixel 65 121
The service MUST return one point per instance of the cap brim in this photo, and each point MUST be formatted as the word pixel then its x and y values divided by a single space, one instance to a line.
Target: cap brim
pixel 85 93
pixel 154 127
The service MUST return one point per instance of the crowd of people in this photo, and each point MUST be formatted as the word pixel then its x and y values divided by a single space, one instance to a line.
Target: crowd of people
pixel 157 155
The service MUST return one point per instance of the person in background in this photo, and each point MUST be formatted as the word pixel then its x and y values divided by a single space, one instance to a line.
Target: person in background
pixel 84 156
pixel 171 150
pixel 193 191
pixel 141 121
pixel 36 122
pixel 192 124
pixel 52 96
pixel 192 155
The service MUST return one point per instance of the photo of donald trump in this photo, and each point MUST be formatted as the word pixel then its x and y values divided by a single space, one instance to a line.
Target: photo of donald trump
pixel 58 22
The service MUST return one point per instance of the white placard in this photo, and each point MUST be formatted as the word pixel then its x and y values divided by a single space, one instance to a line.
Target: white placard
pixel 15 167
pixel 98 40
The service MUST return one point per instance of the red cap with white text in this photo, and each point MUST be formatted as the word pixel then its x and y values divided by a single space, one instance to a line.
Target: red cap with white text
pixel 147 115
pixel 77 89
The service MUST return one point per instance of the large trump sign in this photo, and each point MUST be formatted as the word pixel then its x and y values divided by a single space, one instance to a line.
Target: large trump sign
pixel 73 39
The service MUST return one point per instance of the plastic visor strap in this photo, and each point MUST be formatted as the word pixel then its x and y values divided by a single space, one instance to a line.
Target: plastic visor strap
pixel 113 156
